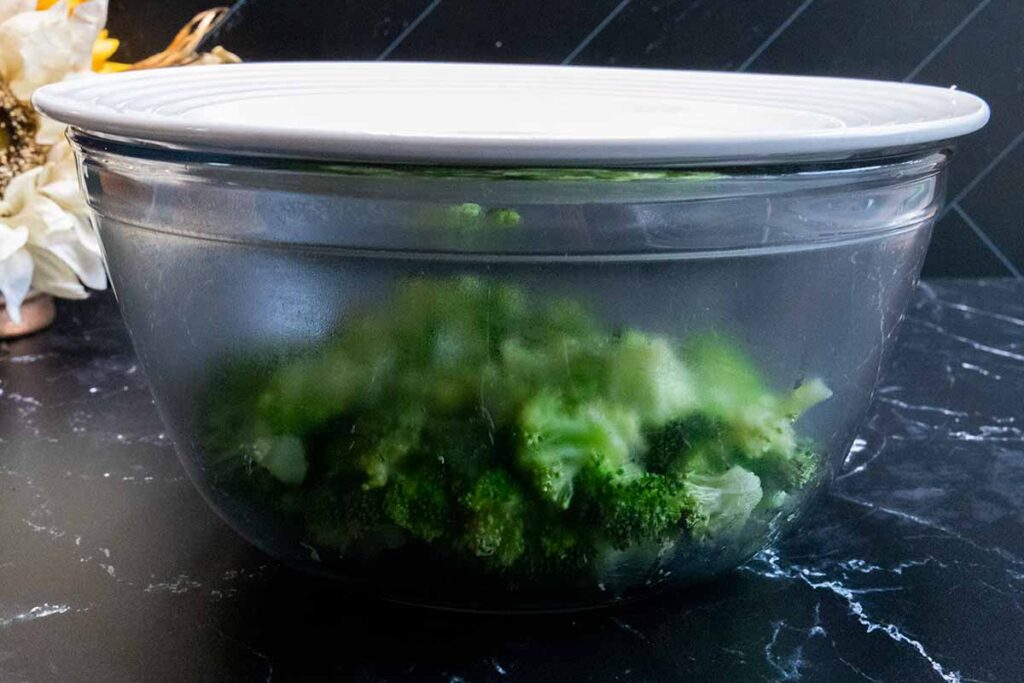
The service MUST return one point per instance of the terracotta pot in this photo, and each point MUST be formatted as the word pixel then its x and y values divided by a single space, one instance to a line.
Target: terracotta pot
pixel 37 313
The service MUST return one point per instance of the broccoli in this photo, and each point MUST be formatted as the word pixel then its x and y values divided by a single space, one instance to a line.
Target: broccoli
pixel 338 516
pixel 696 441
pixel 789 471
pixel 469 216
pixel 516 436
pixel 495 524
pixel 505 218
pixel 541 174
pixel 558 545
pixel 419 502
pixel 557 441
pixel 283 456
pixel 307 392
pixel 382 441
pixel 723 502
pixel 636 509
pixel 732 390
pixel 646 375
pixel 464 214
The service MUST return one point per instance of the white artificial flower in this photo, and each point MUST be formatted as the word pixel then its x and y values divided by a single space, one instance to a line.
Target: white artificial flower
pixel 59 236
pixel 37 48
pixel 8 8
pixel 47 241
pixel 49 132
pixel 15 268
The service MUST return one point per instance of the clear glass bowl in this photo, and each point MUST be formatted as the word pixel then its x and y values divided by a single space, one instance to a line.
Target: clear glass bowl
pixel 510 389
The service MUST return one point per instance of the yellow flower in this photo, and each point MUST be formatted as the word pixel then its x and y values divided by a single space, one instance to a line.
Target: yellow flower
pixel 102 50
pixel 104 47
pixel 47 4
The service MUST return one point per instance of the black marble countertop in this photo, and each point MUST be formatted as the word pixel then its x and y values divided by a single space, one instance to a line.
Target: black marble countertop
pixel 112 568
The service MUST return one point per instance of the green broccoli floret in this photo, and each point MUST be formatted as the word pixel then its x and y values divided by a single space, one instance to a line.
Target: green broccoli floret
pixel 505 218
pixel 722 502
pixel 381 442
pixel 558 440
pixel 494 528
pixel 451 217
pixel 788 471
pixel 646 375
pixel 759 421
pixel 283 456
pixel 419 502
pixel 337 515
pixel 556 545
pixel 698 441
pixel 468 217
pixel 526 368
pixel 463 215
pixel 307 392
pixel 462 447
pixel 726 377
pixel 633 510
pixel 805 396
pixel 565 320
pixel 704 443
pixel 561 349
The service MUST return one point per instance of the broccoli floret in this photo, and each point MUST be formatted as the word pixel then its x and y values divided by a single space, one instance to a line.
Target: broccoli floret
pixel 561 363
pixel 283 456
pixel 494 529
pixel 462 215
pixel 471 215
pixel 505 218
pixel 380 443
pixel 337 515
pixel 305 393
pixel 526 368
pixel 727 380
pixel 462 447
pixel 419 502
pixel 707 444
pixel 789 471
pixel 565 320
pixel 468 217
pixel 645 374
pixel 722 503
pixel 556 545
pixel 634 510
pixel 764 427
pixel 561 349
pixel 804 397
pixel 760 423
pixel 558 440
pixel 697 441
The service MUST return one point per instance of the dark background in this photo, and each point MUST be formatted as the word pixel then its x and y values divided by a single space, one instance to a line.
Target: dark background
pixel 977 45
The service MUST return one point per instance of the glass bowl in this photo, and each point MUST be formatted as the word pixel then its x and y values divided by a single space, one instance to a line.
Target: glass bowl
pixel 510 389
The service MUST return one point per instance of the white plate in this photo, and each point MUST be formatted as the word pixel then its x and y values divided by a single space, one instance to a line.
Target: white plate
pixel 503 115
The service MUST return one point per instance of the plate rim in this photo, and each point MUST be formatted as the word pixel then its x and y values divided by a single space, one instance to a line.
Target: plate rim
pixel 62 102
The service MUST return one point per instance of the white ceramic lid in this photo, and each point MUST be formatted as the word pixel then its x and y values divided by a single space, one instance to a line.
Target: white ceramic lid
pixel 501 115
